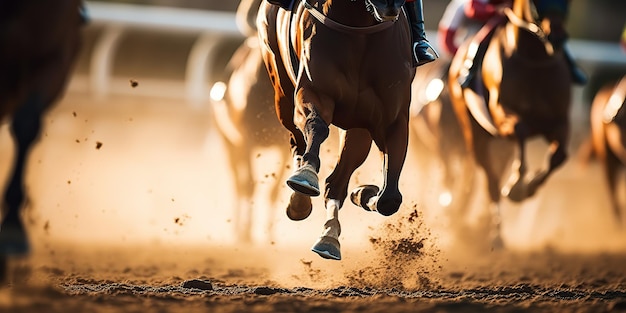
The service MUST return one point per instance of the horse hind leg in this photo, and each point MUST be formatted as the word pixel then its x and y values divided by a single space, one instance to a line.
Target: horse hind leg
pixel 25 128
pixel 388 200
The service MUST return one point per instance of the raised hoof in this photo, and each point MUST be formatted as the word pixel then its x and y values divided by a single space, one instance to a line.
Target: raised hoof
pixel 299 207
pixel 362 194
pixel 327 248
pixel 305 181
pixel 13 241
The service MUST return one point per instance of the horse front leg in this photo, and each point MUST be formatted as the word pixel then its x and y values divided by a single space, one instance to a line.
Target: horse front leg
pixel 309 119
pixel 354 147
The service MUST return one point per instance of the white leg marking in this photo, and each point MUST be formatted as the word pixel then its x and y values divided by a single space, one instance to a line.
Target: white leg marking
pixel 332 227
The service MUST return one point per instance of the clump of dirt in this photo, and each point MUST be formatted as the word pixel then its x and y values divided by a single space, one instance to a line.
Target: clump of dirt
pixel 404 253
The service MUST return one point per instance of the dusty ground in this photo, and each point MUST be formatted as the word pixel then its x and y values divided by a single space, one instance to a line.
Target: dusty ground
pixel 143 224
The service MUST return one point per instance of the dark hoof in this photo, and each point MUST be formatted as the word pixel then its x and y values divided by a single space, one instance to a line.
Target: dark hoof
pixel 13 241
pixel 362 194
pixel 305 181
pixel 388 206
pixel 299 207
pixel 327 248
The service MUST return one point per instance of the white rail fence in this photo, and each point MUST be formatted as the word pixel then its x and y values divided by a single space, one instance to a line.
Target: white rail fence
pixel 212 29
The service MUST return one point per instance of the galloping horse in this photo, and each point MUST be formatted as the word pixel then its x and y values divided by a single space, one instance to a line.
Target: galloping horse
pixel 245 119
pixel 608 126
pixel 39 40
pixel 347 63
pixel 523 91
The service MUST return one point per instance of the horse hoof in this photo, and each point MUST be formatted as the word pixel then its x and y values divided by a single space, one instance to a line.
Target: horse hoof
pixel 388 206
pixel 13 241
pixel 327 248
pixel 361 195
pixel 305 181
pixel 299 207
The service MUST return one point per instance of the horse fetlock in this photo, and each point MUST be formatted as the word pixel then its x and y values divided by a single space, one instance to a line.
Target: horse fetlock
pixel 297 162
pixel 332 228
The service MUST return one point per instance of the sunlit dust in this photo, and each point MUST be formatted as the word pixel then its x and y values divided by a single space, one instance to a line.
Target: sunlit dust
pixel 445 198
pixel 161 178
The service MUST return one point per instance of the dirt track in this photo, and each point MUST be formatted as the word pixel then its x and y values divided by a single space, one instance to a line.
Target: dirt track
pixel 142 224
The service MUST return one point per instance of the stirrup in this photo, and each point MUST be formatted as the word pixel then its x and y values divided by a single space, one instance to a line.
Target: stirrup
pixel 426 57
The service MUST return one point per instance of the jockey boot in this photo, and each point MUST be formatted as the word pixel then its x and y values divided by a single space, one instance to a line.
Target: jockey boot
pixel 415 14
pixel 578 76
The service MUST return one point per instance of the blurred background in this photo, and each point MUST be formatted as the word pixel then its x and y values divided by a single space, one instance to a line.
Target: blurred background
pixel 123 163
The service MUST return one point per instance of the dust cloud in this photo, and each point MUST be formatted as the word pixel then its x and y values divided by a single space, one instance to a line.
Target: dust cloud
pixel 159 180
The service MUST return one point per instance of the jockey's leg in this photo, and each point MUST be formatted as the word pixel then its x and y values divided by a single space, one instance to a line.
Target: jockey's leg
pixel 578 76
pixel 415 14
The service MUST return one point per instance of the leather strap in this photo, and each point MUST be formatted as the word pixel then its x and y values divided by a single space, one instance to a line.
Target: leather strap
pixel 332 24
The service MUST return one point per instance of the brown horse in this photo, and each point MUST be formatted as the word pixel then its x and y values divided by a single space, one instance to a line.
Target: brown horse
pixel 347 63
pixel 608 126
pixel 523 91
pixel 39 40
pixel 246 121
